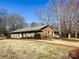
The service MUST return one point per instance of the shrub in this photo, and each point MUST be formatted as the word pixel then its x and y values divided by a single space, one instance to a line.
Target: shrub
pixel 44 37
pixel 37 36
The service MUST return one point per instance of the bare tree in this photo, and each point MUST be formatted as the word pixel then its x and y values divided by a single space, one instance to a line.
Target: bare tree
pixel 26 25
pixel 15 21
pixel 50 14
pixel 9 22
pixel 3 18
pixel 76 26
pixel 69 14
pixel 33 24
pixel 45 14
pixel 62 13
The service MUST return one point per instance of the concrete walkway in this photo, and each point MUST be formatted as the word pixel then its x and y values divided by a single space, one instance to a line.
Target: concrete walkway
pixel 62 42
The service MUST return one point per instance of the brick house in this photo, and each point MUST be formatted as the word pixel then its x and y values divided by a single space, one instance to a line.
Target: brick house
pixel 44 31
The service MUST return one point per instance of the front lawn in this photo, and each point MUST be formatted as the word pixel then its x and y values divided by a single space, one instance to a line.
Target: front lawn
pixel 25 49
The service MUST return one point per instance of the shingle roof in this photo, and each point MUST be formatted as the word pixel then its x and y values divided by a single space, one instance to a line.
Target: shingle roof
pixel 37 28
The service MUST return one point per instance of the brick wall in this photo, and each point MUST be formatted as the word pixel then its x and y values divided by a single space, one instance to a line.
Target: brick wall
pixel 46 31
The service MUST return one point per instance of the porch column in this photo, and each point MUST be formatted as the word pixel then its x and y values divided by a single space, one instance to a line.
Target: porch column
pixel 20 35
pixel 53 34
pixel 11 35
pixel 24 35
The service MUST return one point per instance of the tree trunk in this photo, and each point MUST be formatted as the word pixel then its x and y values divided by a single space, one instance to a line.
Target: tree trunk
pixel 75 34
pixel 59 30
pixel 69 35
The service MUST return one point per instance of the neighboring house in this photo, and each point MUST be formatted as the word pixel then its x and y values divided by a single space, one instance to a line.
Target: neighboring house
pixel 44 31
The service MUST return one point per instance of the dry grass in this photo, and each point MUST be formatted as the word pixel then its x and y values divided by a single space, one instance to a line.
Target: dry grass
pixel 25 49
pixel 62 42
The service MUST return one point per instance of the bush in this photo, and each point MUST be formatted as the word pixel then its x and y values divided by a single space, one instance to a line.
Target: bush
pixel 44 37
pixel 64 35
pixel 37 36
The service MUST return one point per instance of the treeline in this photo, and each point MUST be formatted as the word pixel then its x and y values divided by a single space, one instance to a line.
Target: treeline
pixel 62 15
pixel 10 22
